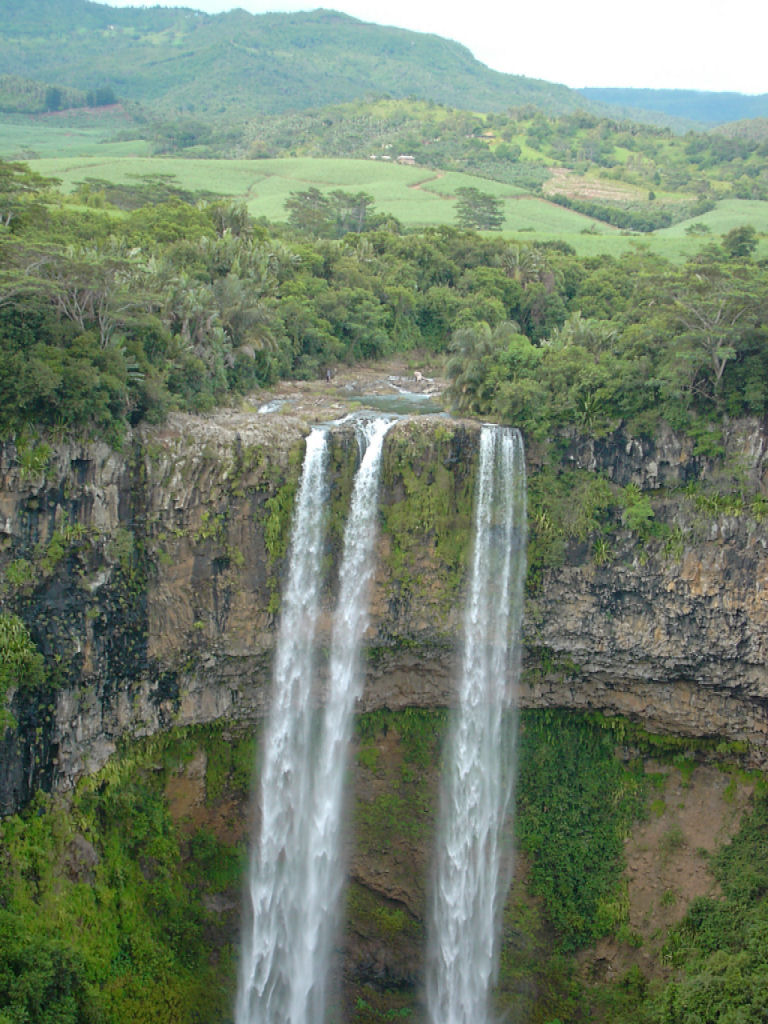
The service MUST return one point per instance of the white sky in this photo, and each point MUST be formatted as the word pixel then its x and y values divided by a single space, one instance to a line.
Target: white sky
pixel 657 44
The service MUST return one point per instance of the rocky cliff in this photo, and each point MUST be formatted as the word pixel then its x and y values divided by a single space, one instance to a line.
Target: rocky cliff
pixel 150 580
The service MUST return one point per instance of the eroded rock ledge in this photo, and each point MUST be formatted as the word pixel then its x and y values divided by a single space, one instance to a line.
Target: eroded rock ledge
pixel 150 579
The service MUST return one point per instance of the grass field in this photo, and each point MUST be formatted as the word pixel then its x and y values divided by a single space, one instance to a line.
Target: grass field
pixel 416 196
pixel 74 145
pixel 68 134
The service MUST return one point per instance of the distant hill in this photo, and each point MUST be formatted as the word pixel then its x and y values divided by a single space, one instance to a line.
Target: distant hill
pixel 237 64
pixel 755 128
pixel 703 108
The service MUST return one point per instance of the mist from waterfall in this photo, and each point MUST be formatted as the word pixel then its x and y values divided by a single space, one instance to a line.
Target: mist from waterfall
pixel 473 854
pixel 297 868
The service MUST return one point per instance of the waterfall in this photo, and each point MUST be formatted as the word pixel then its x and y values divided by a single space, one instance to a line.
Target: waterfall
pixel 275 878
pixel 471 877
pixel 325 868
pixel 297 868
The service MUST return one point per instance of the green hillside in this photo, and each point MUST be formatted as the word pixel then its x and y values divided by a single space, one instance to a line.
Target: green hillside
pixel 600 184
pixel 237 64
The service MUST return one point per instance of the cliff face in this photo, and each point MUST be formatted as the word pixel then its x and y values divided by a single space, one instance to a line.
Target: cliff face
pixel 150 579
pixel 672 633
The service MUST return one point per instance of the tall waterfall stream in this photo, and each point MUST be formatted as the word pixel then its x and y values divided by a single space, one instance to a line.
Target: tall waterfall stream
pixel 470 871
pixel 297 871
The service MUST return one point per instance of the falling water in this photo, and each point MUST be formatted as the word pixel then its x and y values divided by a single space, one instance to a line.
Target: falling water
pixel 325 870
pixel 470 877
pixel 297 869
pixel 276 873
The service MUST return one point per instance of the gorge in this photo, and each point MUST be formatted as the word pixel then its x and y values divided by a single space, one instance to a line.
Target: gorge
pixel 150 579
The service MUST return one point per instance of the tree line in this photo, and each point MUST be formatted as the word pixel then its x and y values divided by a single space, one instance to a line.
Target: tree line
pixel 109 317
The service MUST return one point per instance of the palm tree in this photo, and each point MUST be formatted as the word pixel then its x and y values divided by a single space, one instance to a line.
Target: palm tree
pixel 474 351
pixel 595 336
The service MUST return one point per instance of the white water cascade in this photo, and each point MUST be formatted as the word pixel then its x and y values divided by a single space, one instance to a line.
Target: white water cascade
pixel 473 860
pixel 297 867
pixel 276 870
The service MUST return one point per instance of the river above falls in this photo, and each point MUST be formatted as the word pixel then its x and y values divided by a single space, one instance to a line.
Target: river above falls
pixel 389 387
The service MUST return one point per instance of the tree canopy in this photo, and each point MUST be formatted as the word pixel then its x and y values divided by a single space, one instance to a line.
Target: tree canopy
pixel 479 210
pixel 109 316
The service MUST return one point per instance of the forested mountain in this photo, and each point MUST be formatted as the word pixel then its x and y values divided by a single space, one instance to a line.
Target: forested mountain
pixel 232 66
pixel 238 64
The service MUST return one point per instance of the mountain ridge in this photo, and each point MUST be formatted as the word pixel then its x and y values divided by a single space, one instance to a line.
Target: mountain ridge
pixel 696 105
pixel 179 59
pixel 234 66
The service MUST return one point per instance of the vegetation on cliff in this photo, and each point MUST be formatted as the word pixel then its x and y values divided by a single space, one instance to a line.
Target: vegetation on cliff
pixel 21 664
pixel 121 903
pixel 106 902
pixel 720 949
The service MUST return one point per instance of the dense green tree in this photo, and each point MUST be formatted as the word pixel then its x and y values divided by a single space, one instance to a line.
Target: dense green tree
pixel 438 309
pixel 596 336
pixel 312 342
pixel 97 287
pixel 740 242
pixel 41 979
pixel 604 288
pixel 475 354
pixel 330 215
pixel 20 270
pixel 22 195
pixel 352 211
pixel 53 98
pixel 711 310
pixel 542 309
pixel 311 212
pixel 479 210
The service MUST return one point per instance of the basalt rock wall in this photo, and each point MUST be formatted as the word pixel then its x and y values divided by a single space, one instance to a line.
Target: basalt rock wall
pixel 150 580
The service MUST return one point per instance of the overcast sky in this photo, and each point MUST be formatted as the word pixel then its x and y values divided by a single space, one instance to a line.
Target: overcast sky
pixel 658 44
